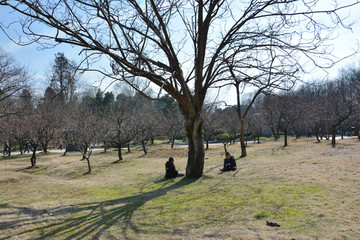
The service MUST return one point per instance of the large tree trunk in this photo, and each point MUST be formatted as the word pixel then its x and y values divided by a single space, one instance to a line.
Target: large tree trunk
pixel 242 138
pixel 196 151
pixel 333 135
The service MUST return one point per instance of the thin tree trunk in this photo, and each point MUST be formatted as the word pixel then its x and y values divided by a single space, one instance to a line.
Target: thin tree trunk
pixel 128 147
pixel 333 135
pixel 88 161
pixel 242 138
pixel 45 147
pixel 119 153
pixel 225 147
pixel 9 151
pixel 207 145
pixel 285 138
pixel 143 146
pixel 105 147
pixel 274 133
pixel 85 149
pixel 172 142
pixel 21 149
pixel 33 156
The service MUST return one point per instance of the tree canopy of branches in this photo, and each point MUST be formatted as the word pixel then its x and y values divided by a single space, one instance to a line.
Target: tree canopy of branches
pixel 13 78
pixel 182 46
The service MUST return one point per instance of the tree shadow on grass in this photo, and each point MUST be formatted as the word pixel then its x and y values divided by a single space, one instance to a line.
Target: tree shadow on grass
pixel 85 220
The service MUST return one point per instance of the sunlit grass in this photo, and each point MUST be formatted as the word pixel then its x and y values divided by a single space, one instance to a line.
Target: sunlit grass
pixel 298 187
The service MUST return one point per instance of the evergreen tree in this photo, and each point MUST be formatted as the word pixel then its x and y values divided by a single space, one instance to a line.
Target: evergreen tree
pixel 63 78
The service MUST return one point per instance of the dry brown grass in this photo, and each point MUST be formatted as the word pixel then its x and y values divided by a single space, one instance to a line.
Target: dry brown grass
pixel 311 189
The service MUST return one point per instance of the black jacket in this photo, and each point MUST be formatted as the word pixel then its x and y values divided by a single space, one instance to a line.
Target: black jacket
pixel 232 165
pixel 170 170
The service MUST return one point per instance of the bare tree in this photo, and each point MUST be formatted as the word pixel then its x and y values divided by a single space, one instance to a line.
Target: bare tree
pixel 341 103
pixel 122 124
pixel 353 77
pixel 264 69
pixel 171 120
pixel 50 113
pixel 211 122
pixel 179 46
pixel 13 79
pixel 147 124
pixel 230 123
pixel 85 128
pixel 255 124
pixel 313 101
pixel 281 108
pixel 172 127
pixel 37 129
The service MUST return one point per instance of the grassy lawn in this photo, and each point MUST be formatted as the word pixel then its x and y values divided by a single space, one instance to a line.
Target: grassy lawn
pixel 310 189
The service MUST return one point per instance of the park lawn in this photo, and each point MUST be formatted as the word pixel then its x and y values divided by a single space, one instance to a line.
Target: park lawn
pixel 310 189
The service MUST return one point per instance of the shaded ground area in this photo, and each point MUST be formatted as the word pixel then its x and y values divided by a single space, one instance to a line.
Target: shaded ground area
pixel 311 190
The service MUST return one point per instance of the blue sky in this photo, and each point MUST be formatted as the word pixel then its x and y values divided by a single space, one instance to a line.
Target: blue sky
pixel 39 61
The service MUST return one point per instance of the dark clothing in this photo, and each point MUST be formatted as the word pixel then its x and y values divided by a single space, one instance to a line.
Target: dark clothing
pixel 229 164
pixel 170 170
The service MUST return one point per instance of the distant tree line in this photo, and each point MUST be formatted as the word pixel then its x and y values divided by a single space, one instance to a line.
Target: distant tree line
pixel 80 120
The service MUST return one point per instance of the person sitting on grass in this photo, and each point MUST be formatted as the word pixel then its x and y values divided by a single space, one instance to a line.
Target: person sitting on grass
pixel 229 163
pixel 171 170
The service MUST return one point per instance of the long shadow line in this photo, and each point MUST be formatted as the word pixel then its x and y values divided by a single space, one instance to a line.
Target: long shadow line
pixel 98 217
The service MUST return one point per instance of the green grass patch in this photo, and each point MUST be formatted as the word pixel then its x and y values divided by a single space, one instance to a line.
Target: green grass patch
pixel 206 204
pixel 131 200
pixel 262 214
